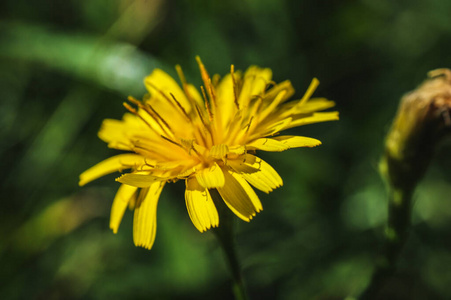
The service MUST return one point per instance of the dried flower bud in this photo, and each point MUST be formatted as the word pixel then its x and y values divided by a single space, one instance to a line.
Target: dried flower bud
pixel 423 119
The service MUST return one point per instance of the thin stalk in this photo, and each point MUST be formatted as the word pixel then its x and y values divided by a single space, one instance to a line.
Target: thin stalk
pixel 396 233
pixel 422 121
pixel 225 236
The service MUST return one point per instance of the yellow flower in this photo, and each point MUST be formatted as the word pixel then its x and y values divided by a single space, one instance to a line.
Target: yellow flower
pixel 208 139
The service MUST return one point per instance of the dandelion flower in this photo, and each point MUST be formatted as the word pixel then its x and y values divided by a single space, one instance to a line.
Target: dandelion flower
pixel 208 138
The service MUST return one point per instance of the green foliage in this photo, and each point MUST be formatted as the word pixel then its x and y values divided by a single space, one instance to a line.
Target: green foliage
pixel 67 65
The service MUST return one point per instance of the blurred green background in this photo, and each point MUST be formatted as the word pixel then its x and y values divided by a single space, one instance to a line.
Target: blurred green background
pixel 67 65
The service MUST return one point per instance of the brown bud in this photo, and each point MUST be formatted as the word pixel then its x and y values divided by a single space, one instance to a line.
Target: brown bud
pixel 422 120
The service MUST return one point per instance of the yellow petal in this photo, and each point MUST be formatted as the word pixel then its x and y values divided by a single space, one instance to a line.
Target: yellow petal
pixel 237 150
pixel 219 151
pixel 265 178
pixel 316 104
pixel 140 180
pixel 314 118
pixel 254 84
pixel 110 165
pixel 117 133
pixel 297 141
pixel 112 132
pixel 243 164
pixel 120 203
pixel 272 106
pixel 312 87
pixel 211 177
pixel 195 95
pixel 201 208
pixel 282 143
pixel 145 217
pixel 160 149
pixel 267 144
pixel 273 92
pixel 160 81
pixel 226 99
pixel 275 127
pixel 239 196
pixel 132 203
pixel 262 78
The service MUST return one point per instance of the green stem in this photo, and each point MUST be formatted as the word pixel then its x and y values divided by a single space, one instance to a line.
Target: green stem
pixel 399 211
pixel 421 122
pixel 224 234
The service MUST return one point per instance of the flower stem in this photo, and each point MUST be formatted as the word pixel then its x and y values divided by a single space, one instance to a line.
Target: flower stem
pixel 224 234
pixel 396 233
pixel 422 121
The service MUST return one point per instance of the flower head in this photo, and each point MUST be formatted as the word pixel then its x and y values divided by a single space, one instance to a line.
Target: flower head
pixel 422 121
pixel 207 138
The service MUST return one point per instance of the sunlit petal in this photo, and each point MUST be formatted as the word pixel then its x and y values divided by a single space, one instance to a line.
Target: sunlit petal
pixel 239 196
pixel 145 218
pixel 258 173
pixel 139 180
pixel 120 203
pixel 110 165
pixel 293 141
pixel 201 208
pixel 210 178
